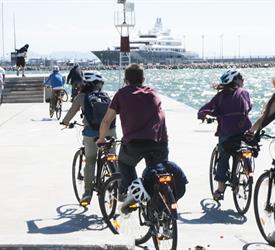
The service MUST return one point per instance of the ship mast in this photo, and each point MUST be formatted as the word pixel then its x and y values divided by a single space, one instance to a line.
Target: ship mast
pixel 124 22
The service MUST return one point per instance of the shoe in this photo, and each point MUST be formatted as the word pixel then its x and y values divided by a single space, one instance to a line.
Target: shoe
pixel 128 205
pixel 271 237
pixel 217 196
pixel 121 197
pixel 23 75
pixel 86 199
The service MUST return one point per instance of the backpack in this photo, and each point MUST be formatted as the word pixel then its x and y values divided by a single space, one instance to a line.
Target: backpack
pixel 180 179
pixel 95 107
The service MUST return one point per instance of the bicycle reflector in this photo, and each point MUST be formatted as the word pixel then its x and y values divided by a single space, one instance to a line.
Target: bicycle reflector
pixel 112 158
pixel 165 178
pixel 247 154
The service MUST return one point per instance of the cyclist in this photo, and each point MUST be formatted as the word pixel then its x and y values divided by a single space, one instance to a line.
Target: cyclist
pixel 143 125
pixel 75 78
pixel 93 82
pixel 2 79
pixel 231 106
pixel 267 116
pixel 56 81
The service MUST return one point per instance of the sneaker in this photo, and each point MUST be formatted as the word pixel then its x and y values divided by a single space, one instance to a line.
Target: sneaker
pixel 86 199
pixel 271 237
pixel 128 205
pixel 217 196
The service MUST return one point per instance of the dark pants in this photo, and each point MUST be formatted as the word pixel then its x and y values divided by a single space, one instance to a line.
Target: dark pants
pixel 132 153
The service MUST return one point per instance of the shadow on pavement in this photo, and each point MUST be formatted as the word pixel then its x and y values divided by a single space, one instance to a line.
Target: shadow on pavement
pixel 212 215
pixel 70 218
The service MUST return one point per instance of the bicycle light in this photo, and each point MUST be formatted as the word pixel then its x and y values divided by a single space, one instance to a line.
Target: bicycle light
pixel 166 178
pixel 112 158
pixel 247 154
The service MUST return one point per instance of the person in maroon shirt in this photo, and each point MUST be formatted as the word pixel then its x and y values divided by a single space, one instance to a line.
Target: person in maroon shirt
pixel 231 106
pixel 143 125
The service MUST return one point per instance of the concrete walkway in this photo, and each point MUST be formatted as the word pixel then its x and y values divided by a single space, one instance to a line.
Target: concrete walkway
pixel 39 210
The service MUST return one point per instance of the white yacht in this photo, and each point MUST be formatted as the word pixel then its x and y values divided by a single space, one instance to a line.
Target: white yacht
pixel 156 46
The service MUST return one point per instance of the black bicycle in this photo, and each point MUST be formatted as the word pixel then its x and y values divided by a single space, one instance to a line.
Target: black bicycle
pixel 62 97
pixel 106 166
pixel 240 173
pixel 264 197
pixel 156 217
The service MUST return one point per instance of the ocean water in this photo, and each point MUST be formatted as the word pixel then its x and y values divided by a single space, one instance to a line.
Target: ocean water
pixel 194 86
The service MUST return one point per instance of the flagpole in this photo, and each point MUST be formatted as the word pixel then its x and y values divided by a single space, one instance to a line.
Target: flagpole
pixel 14 35
pixel 3 38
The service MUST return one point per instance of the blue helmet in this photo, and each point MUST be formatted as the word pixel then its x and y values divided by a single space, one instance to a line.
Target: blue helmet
pixel 228 76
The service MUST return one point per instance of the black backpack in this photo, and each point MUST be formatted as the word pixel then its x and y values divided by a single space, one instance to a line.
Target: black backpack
pixel 95 107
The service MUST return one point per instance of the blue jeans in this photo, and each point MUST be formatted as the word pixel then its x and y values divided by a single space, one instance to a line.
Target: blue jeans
pixel 223 162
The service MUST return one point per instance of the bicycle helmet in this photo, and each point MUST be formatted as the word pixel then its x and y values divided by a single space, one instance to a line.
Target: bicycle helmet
pixel 137 190
pixel 90 77
pixel 228 76
pixel 55 68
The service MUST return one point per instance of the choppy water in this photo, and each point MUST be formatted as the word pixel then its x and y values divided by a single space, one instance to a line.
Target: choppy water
pixel 193 86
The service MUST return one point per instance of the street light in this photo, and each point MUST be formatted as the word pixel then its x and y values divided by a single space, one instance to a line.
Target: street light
pixel 221 46
pixel 239 46
pixel 202 47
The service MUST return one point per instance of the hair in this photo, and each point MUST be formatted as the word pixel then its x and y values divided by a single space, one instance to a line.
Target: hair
pixel 134 74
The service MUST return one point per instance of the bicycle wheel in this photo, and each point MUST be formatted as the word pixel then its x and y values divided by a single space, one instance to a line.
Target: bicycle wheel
pixel 213 170
pixel 78 173
pixel 264 207
pixel 64 95
pixel 242 185
pixel 58 110
pixel 119 223
pixel 164 219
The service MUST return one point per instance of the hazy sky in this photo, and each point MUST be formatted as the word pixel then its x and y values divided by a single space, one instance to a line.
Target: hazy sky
pixel 246 27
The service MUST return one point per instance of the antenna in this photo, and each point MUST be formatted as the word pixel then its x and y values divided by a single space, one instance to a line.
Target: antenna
pixel 124 22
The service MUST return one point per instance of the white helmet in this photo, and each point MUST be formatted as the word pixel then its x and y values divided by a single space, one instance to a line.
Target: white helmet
pixel 228 76
pixel 137 190
pixel 90 76
pixel 55 68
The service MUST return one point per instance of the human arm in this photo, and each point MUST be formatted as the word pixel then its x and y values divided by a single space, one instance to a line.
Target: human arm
pixel 207 109
pixel 76 105
pixel 105 124
pixel 262 120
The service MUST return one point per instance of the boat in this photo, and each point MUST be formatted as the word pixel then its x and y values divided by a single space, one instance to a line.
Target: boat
pixel 157 46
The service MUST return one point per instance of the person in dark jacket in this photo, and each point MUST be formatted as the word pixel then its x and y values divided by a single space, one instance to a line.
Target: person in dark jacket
pixel 75 78
pixel 21 54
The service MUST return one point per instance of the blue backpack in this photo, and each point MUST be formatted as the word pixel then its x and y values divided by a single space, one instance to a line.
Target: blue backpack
pixel 180 179
pixel 95 107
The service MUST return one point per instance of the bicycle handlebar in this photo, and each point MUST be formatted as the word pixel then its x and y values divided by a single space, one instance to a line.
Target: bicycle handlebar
pixel 72 124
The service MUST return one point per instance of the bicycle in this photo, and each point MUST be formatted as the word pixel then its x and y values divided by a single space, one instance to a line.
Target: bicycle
pixel 156 217
pixel 61 97
pixel 240 174
pixel 106 166
pixel 264 197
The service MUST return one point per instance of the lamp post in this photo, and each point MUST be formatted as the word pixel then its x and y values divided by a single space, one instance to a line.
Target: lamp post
pixel 221 46
pixel 202 47
pixel 239 47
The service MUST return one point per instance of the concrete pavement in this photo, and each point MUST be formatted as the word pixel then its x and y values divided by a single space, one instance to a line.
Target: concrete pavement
pixel 39 210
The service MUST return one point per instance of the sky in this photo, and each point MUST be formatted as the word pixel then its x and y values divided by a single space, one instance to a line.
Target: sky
pixel 212 28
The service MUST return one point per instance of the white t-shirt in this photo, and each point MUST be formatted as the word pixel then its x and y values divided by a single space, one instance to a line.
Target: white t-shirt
pixel 2 73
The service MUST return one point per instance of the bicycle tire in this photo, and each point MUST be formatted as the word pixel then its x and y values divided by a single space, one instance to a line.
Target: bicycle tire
pixel 264 215
pixel 115 220
pixel 58 110
pixel 165 234
pixel 78 173
pixel 213 170
pixel 64 95
pixel 242 185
